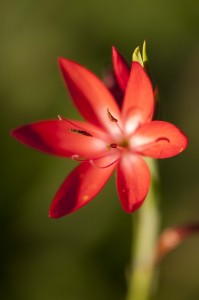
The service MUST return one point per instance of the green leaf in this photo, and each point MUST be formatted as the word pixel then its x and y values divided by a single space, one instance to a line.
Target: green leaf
pixel 144 53
pixel 137 56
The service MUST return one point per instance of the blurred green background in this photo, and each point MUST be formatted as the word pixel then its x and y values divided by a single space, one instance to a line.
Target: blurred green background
pixel 85 255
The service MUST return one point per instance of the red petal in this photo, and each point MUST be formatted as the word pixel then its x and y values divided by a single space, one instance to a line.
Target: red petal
pixel 159 139
pixel 55 137
pixel 111 83
pixel 133 180
pixel 138 105
pixel 90 95
pixel 121 69
pixel 79 188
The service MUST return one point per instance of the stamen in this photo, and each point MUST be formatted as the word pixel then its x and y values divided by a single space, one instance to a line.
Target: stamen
pixel 78 131
pixel 111 117
pixel 77 128
pixel 96 160
pixel 103 167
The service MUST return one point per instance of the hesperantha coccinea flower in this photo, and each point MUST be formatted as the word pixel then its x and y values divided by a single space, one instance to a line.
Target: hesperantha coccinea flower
pixel 113 136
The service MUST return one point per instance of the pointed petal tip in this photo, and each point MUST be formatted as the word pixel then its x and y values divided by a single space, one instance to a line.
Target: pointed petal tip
pixel 50 214
pixel 116 55
pixel 16 133
pixel 121 68
pixel 134 207
pixel 54 214
pixel 12 132
pixel 62 61
pixel 114 50
pixel 65 63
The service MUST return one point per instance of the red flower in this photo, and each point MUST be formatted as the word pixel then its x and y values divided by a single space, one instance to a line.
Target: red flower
pixel 110 138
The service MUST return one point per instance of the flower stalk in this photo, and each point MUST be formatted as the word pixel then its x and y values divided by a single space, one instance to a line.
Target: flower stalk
pixel 145 233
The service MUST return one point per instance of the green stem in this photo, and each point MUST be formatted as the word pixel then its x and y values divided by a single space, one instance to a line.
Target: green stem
pixel 144 242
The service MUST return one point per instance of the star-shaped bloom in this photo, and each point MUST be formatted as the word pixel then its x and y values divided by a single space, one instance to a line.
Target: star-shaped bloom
pixel 112 137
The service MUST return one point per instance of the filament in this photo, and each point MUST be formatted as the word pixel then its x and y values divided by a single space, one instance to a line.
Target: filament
pixel 94 161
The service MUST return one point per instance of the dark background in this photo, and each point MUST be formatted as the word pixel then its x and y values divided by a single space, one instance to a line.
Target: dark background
pixel 85 255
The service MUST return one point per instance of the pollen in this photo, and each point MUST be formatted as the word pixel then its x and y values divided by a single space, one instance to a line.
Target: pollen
pixel 85 197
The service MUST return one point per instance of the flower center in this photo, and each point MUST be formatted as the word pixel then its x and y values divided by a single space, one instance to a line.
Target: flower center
pixel 120 146
pixel 123 144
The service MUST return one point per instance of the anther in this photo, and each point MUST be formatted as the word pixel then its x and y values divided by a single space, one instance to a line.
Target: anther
pixel 114 120
pixel 111 117
pixel 60 118
pixel 82 132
